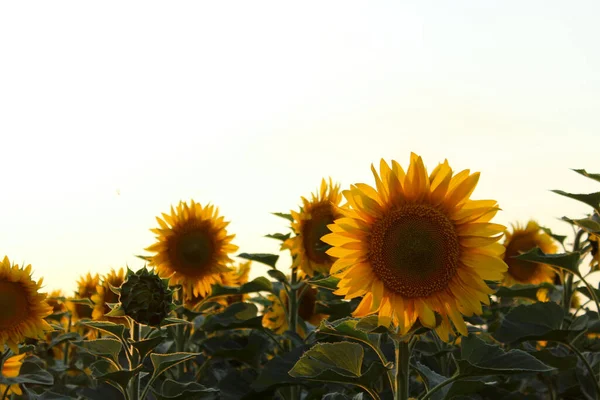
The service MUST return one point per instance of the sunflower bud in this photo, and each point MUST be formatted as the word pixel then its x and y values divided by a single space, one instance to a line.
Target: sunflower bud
pixel 145 297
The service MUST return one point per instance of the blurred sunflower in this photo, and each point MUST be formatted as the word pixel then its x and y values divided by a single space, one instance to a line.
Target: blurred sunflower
pixel 11 369
pixel 416 246
pixel 275 317
pixel 105 295
pixel 310 225
pixel 86 288
pixel 521 240
pixel 192 248
pixel 54 301
pixel 23 308
pixel 595 262
pixel 235 276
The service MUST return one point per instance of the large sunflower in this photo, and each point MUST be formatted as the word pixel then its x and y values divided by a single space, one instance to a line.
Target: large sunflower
pixel 416 246
pixel 521 240
pixel 11 369
pixel 23 308
pixel 86 288
pixel 192 247
pixel 105 295
pixel 310 225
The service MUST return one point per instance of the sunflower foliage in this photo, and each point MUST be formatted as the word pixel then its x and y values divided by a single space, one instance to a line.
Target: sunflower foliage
pixel 405 289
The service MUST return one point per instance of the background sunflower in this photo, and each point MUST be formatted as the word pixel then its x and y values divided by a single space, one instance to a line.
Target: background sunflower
pixel 105 295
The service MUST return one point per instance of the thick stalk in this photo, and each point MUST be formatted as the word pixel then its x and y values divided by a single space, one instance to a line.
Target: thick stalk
pixel 402 370
pixel 134 384
pixel 568 285
pixel 180 335
pixel 293 321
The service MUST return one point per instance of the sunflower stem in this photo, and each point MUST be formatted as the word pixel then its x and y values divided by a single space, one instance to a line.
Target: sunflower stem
pixel 180 338
pixel 66 350
pixel 293 321
pixel 134 384
pixel 402 370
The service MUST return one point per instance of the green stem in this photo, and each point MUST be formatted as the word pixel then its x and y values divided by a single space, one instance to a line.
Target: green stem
pixel 439 386
pixel 371 392
pixel 587 365
pixel 293 321
pixel 402 370
pixel 66 350
pixel 180 335
pixel 134 384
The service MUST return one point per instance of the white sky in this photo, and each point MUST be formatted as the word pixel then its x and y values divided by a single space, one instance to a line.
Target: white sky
pixel 248 104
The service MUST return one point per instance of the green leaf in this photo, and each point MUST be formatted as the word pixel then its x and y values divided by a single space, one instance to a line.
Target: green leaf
pixel 172 390
pixel 120 379
pixel 102 367
pixel 248 348
pixel 347 328
pixel 70 336
pixel 116 311
pixel 278 275
pixel 524 291
pixel 260 284
pixel 589 225
pixel 85 302
pixel 583 172
pixel 279 236
pixel 30 372
pixel 568 261
pixel 116 330
pixel 559 362
pixel 432 379
pixel 171 321
pixel 236 316
pixel 144 347
pixel 102 347
pixel 337 362
pixel 284 216
pixel 163 362
pixel 265 258
pixel 480 359
pixel 538 321
pixel 591 199
pixel 275 372
pixel 326 283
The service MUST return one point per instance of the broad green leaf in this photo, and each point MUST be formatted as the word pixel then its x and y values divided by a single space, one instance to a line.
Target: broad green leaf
pixel 559 238
pixel 102 367
pixel 583 172
pixel 480 359
pixel 116 312
pixel 265 258
pixel 173 321
pixel 431 379
pixel 343 358
pixel 278 275
pixel 102 347
pixel 330 282
pixel 347 328
pixel 559 362
pixel 284 216
pixel 275 372
pixel 173 390
pixel 70 336
pixel 236 316
pixel 568 261
pixel 30 372
pixel 144 347
pixel 163 362
pixel 524 291
pixel 120 379
pixel 116 330
pixel 279 236
pixel 44 395
pixel 538 321
pixel 591 199
pixel 589 225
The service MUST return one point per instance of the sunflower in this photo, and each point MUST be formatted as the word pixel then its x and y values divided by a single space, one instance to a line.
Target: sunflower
pixel 86 288
pixel 235 276
pixel 520 241
pixel 595 262
pixel 192 247
pixel 416 246
pixel 105 295
pixel 11 369
pixel 23 308
pixel 275 317
pixel 54 301
pixel 310 225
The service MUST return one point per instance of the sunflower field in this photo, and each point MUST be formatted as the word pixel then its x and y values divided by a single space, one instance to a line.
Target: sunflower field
pixel 401 289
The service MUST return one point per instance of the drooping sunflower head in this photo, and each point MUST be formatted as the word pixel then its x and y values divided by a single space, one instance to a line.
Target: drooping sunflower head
pixel 105 295
pixel 310 225
pixel 86 288
pixel 193 247
pixel 417 245
pixel 23 309
pixel 11 369
pixel 521 240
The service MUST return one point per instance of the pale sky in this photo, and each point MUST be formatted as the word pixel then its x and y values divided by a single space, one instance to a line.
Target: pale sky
pixel 249 104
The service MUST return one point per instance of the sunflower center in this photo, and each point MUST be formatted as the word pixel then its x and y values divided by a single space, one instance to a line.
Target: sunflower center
pixel 192 251
pixel 314 229
pixel 15 304
pixel 521 270
pixel 414 250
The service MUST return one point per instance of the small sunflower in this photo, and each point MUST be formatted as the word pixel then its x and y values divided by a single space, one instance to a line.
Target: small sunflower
pixel 193 247
pixel 521 240
pixel 310 225
pixel 595 262
pixel 105 295
pixel 275 317
pixel 86 288
pixel 416 245
pixel 54 301
pixel 23 309
pixel 11 369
